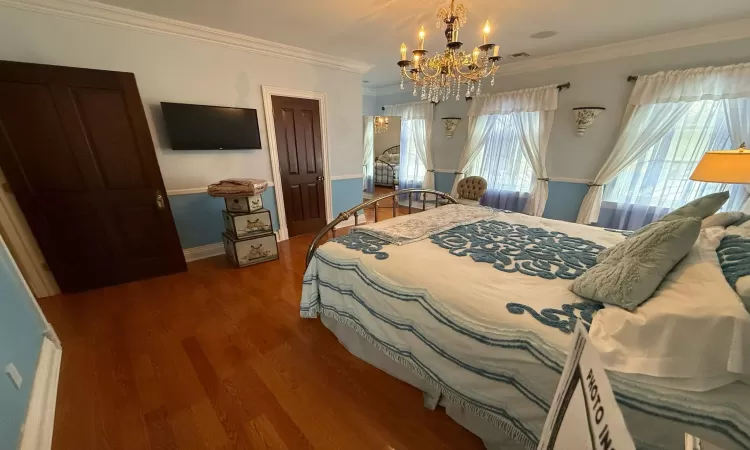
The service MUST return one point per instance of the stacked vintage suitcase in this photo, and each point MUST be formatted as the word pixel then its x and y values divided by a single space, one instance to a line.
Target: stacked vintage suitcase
pixel 248 236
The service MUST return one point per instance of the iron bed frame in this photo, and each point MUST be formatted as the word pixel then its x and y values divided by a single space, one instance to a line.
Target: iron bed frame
pixel 391 180
pixel 331 227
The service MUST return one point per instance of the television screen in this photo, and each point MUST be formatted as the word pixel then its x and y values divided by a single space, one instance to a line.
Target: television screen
pixel 199 127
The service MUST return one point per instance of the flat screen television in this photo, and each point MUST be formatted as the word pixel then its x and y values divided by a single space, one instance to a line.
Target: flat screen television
pixel 200 127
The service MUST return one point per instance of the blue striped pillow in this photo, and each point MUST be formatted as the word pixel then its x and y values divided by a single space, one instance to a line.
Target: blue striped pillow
pixel 734 257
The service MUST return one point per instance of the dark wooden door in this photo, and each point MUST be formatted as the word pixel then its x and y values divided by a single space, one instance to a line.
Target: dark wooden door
pixel 77 152
pixel 297 124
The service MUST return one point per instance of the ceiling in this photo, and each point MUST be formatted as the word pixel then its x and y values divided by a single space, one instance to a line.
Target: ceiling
pixel 372 31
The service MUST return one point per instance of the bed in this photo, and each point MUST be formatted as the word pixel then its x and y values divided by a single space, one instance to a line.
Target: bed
pixel 385 172
pixel 485 333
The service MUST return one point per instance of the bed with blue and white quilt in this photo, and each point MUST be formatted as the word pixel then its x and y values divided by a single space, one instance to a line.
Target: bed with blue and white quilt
pixel 472 305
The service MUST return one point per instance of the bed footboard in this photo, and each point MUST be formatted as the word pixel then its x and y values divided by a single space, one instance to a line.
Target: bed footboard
pixel 331 227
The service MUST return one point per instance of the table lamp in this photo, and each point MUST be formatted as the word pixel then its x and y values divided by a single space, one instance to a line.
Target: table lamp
pixel 724 166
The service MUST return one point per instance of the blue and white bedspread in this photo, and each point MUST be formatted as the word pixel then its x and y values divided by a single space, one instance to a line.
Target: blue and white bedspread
pixel 483 312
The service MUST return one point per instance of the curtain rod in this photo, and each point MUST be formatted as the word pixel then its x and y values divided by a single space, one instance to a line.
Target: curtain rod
pixel 560 87
pixel 632 78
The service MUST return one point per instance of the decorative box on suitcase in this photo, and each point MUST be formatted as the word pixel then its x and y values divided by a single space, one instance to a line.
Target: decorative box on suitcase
pixel 247 224
pixel 250 250
pixel 243 204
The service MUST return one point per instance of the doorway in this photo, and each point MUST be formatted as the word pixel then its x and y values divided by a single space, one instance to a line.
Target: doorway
pixel 381 170
pixel 300 152
pixel 314 181
pixel 78 157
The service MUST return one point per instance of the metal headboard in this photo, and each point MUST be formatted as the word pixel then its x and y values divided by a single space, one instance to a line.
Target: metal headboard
pixel 346 214
pixel 393 150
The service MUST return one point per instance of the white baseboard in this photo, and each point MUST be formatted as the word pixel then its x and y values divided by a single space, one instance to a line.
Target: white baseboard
pixel 204 251
pixel 40 419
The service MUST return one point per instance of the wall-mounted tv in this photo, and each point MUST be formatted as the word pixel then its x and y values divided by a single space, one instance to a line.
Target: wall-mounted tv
pixel 200 127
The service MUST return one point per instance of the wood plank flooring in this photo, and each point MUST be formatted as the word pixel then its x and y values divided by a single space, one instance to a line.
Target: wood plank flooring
pixel 218 358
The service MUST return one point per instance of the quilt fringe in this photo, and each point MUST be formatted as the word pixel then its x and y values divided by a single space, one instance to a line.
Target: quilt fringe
pixel 492 418
pixel 311 313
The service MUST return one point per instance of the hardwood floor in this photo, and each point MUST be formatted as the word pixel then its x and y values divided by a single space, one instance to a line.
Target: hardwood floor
pixel 218 357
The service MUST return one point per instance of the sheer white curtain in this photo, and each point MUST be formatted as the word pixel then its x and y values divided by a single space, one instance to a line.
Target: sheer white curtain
pixel 415 166
pixel 507 145
pixel 658 181
pixel 658 103
pixel 738 118
pixel 368 156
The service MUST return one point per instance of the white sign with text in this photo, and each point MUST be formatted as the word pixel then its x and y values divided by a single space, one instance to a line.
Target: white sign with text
pixel 584 413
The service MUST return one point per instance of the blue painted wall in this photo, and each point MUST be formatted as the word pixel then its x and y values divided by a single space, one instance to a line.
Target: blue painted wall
pixel 21 330
pixel 199 220
pixel 564 200
pixel 444 181
pixel 346 194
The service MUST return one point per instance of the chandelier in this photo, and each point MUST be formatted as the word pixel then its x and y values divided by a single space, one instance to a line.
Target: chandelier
pixel 439 77
pixel 381 124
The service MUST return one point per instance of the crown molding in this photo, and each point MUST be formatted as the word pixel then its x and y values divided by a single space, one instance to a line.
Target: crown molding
pixel 112 15
pixel 709 34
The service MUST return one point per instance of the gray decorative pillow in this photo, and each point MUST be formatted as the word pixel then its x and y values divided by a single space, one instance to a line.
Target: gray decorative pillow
pixel 617 248
pixel 700 207
pixel 635 267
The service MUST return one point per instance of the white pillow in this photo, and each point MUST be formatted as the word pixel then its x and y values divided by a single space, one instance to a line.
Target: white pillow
pixel 385 157
pixel 395 158
pixel 722 219
pixel 693 328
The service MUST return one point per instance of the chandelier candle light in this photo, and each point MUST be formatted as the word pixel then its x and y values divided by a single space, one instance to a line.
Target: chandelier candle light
pixel 447 73
pixel 380 124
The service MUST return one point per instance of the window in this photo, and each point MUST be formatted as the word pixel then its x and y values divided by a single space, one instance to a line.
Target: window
pixel 501 161
pixel 659 180
pixel 411 168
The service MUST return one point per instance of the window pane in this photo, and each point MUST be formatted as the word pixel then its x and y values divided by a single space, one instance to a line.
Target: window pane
pixel 502 162
pixel 659 178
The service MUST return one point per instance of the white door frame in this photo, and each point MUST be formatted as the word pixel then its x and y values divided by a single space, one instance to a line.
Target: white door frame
pixel 23 246
pixel 269 91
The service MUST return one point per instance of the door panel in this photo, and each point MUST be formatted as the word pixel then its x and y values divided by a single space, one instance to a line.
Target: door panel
pixel 308 143
pixel 298 142
pixel 103 115
pixel 78 155
pixel 42 150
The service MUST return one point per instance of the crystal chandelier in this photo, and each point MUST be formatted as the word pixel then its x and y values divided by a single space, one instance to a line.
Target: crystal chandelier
pixel 448 73
pixel 381 124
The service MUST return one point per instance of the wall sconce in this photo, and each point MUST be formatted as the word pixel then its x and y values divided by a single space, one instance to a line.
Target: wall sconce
pixel 585 116
pixel 450 124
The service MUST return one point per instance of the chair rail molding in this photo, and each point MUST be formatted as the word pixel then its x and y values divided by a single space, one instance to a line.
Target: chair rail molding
pixel 195 190
pixel 347 177
pixel 135 20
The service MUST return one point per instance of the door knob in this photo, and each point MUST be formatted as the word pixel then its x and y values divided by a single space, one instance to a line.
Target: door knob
pixel 159 200
pixel 319 178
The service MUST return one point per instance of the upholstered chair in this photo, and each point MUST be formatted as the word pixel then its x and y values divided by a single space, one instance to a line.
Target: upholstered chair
pixel 470 189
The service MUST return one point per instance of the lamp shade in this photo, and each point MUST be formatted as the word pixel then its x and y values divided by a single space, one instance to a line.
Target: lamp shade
pixel 729 166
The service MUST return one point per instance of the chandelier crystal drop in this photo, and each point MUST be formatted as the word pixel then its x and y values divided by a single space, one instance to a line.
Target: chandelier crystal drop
pixel 380 124
pixel 439 76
